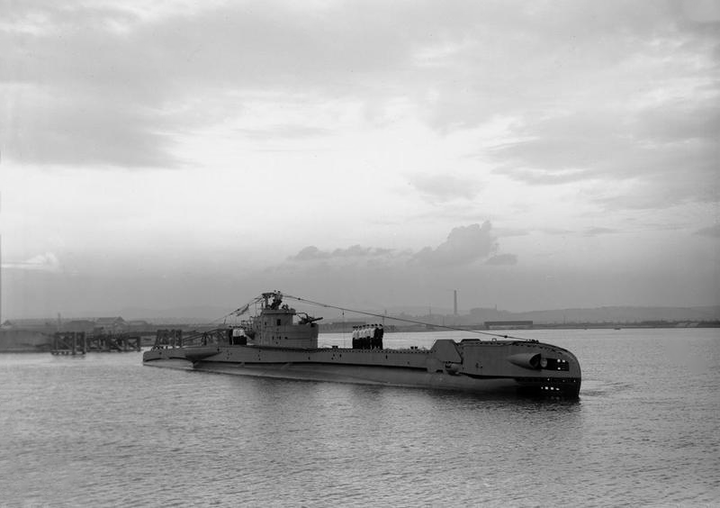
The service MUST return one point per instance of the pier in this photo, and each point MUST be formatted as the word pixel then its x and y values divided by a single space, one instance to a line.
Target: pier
pixel 69 343
pixel 78 343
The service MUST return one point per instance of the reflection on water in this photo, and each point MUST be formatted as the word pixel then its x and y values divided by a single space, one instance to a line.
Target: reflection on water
pixel 105 431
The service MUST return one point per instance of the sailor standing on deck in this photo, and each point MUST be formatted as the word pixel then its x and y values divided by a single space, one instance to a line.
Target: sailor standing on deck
pixel 376 337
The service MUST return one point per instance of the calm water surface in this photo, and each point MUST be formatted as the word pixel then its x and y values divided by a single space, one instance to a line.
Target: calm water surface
pixel 105 431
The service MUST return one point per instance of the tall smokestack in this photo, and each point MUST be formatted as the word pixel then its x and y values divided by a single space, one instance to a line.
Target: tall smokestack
pixel 455 302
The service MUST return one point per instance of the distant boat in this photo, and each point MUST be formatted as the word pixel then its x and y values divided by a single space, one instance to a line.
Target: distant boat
pixel 279 342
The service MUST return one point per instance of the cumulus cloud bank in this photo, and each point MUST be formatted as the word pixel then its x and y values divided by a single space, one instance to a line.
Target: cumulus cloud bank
pixel 463 246
pixel 312 253
pixel 47 262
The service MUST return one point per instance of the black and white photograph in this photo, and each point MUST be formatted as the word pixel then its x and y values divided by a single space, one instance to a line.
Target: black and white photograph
pixel 360 253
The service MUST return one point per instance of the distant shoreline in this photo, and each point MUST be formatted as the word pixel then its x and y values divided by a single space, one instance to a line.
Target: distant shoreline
pixel 33 341
pixel 547 326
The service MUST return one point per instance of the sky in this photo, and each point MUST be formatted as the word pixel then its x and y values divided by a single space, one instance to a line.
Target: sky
pixel 528 155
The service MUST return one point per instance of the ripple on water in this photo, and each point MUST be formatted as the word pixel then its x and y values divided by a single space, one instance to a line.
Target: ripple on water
pixel 106 431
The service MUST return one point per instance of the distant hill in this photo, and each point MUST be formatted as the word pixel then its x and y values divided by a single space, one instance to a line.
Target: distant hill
pixel 619 314
pixel 178 315
pixel 622 314
pixel 599 315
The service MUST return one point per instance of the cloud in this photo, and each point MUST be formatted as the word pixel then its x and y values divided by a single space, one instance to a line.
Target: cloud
pixel 464 245
pixel 312 253
pixel 502 259
pixel 596 231
pixel 288 131
pixel 445 187
pixel 710 231
pixel 701 11
pixel 47 262
pixel 129 78
pixel 557 231
pixel 108 85
pixel 647 117
pixel 75 129
pixel 665 156
pixel 78 92
pixel 507 232
pixel 309 253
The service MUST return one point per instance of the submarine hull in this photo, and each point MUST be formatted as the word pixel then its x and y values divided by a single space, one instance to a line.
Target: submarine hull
pixel 482 367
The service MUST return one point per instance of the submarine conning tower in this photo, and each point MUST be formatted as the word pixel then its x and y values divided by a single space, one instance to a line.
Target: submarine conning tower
pixel 276 325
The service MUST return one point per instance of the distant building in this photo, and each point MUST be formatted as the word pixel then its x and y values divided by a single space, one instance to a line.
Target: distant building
pixel 110 325
pixel 508 325
pixel 138 325
pixel 39 325
pixel 79 325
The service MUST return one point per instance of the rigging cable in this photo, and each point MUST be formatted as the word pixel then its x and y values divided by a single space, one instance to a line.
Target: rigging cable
pixel 237 312
pixel 453 328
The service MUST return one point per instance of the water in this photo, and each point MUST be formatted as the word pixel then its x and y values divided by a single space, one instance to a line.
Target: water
pixel 105 431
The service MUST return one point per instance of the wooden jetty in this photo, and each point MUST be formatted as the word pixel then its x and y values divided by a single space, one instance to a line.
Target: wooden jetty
pixel 169 338
pixel 69 343
pixel 78 343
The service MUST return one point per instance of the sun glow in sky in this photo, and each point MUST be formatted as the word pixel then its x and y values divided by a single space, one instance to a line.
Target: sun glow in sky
pixel 531 155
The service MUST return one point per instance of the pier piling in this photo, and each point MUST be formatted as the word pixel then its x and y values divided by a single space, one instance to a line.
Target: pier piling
pixel 77 343
pixel 69 343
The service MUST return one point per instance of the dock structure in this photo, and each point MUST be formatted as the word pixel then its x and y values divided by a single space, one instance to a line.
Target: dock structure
pixel 69 343
pixel 108 343
pixel 177 339
pixel 169 338
pixel 78 343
